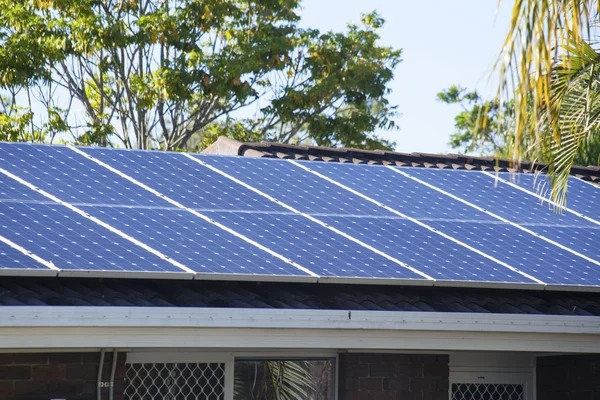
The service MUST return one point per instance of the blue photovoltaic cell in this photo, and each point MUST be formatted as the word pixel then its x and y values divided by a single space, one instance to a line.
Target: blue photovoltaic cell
pixel 583 240
pixel 294 186
pixel 183 180
pixel 399 192
pixel 72 177
pixel 318 249
pixel 14 259
pixel 424 250
pixel 526 252
pixel 501 199
pixel 11 190
pixel 72 242
pixel 582 197
pixel 199 245
pixel 516 206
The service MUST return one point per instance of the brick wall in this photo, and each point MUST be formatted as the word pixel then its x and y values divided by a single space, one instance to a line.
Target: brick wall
pixel 393 377
pixel 574 377
pixel 44 376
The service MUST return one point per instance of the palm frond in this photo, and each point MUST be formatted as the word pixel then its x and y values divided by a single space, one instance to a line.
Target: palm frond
pixel 291 380
pixel 542 66
pixel 283 380
pixel 574 110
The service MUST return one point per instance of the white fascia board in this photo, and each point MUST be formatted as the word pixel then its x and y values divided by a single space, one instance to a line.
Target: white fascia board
pixel 182 317
pixel 316 339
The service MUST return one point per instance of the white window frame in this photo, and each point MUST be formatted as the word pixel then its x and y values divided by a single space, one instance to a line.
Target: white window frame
pixel 228 358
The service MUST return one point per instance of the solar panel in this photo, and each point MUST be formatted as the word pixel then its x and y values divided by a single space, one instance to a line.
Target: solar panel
pixel 72 242
pixel 71 177
pixel 199 245
pixel 438 257
pixel 397 191
pixel 427 251
pixel 529 254
pixel 196 186
pixel 186 182
pixel 82 182
pixel 317 249
pixel 582 197
pixel 500 199
pixel 12 191
pixel 14 260
pixel 522 208
pixel 583 240
pixel 452 217
pixel 295 187
pixel 504 201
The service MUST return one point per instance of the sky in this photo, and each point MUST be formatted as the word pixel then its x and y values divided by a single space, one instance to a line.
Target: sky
pixel 443 42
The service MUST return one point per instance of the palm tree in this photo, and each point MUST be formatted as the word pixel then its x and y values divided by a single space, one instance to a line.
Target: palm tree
pixel 550 66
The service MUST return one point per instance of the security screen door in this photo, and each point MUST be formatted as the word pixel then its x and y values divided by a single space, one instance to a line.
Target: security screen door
pixel 488 391
pixel 486 385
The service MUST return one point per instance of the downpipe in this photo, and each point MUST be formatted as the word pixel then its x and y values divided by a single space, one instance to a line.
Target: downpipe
pixel 99 379
pixel 111 388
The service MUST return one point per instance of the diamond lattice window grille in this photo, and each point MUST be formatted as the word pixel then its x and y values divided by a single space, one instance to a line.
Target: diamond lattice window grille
pixel 170 381
pixel 487 391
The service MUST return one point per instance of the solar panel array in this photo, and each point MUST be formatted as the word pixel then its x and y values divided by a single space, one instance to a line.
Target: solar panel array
pixel 121 213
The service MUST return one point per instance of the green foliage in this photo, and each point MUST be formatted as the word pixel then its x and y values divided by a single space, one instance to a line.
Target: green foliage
pixel 160 73
pixel 573 112
pixel 235 129
pixel 486 128
pixel 343 93
pixel 17 124
pixel 548 66
pixel 14 124
pixel 478 128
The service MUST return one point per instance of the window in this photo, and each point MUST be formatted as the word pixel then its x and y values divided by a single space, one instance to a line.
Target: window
pixel 294 379
pixel 223 376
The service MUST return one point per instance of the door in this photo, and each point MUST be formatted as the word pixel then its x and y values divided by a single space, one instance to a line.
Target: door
pixel 491 386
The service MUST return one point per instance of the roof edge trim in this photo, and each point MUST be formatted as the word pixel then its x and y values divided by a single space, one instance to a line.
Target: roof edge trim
pixel 171 317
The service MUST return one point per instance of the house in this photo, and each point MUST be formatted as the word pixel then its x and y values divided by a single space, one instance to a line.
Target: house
pixel 124 278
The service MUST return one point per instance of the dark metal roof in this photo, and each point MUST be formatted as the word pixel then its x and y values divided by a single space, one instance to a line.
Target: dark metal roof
pixel 160 293
pixel 226 146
